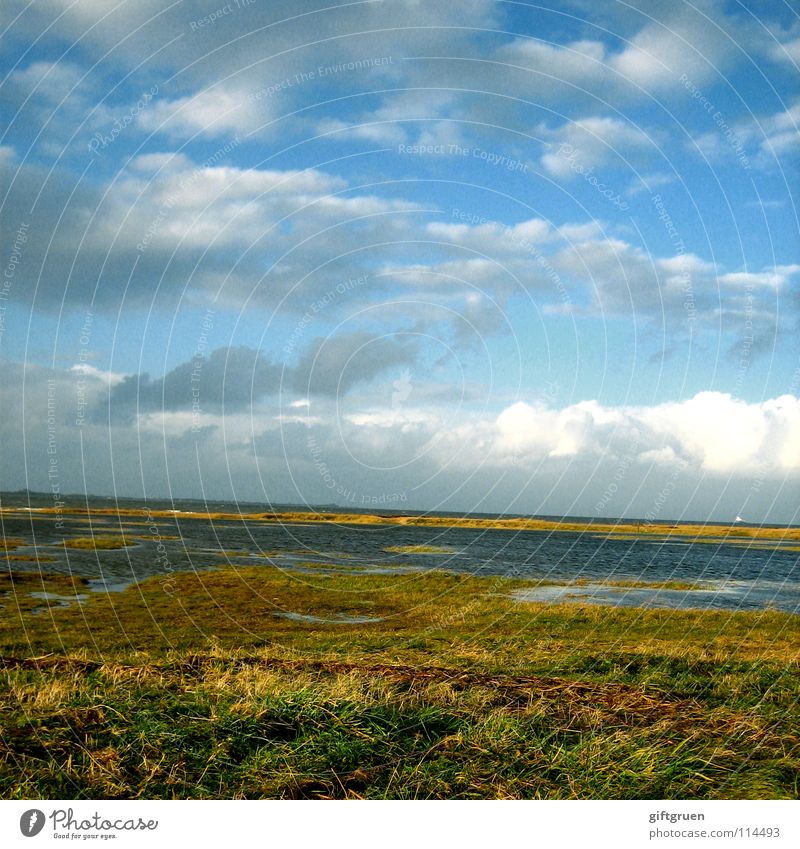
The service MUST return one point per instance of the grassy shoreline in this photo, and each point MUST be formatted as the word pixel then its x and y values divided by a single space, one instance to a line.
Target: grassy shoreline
pixel 192 686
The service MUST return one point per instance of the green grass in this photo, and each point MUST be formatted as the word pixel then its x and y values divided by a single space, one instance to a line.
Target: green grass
pixel 190 687
pixel 646 585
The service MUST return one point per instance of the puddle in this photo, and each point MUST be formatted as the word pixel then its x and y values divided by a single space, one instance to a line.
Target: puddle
pixel 307 557
pixel 392 570
pixel 337 619
pixel 61 601
pixel 112 585
pixel 346 569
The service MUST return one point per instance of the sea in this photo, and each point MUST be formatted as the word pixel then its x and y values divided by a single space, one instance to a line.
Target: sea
pixel 584 566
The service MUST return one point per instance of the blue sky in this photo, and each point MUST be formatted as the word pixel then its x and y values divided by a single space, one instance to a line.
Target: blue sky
pixel 483 255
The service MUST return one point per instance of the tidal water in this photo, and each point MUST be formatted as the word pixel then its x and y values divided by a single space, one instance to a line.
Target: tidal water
pixel 731 576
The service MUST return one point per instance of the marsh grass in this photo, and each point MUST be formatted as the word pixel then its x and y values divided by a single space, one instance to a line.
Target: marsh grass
pixel 98 542
pixel 29 558
pixel 193 688
pixel 646 585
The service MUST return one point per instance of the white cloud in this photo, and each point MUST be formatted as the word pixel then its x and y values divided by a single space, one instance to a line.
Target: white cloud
pixel 379 132
pixel 782 131
pixel 684 43
pixel 769 137
pixel 186 207
pixel 492 237
pixel 7 155
pixel 777 277
pixel 581 232
pixel 674 39
pixel 650 182
pixel 213 113
pixel 90 372
pixel 593 142
pixel 576 62
pixel 50 81
pixel 721 434
pixel 711 432
pixel 788 51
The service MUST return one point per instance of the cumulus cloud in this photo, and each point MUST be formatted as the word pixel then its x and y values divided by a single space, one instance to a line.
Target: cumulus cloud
pixel 684 41
pixel 777 277
pixel 650 53
pixel 493 237
pixel 167 212
pixel 214 113
pixel 766 140
pixel 598 273
pixel 596 142
pixel 787 51
pixel 711 433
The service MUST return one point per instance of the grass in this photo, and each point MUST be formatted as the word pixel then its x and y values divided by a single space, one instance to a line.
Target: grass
pixel 189 686
pixel 417 549
pixel 645 585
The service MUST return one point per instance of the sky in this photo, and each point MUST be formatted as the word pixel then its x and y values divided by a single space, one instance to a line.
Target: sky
pixel 537 258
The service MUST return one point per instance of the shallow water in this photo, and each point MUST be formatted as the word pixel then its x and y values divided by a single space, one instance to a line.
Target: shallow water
pixel 736 576
pixel 716 595
pixel 54 600
pixel 338 619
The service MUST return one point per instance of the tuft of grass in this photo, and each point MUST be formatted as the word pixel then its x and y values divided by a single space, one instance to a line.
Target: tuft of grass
pixel 646 585
pixel 98 542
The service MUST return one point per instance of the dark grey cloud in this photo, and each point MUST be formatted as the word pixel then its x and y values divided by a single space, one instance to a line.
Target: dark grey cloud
pixel 227 378
pixel 236 378
pixel 336 364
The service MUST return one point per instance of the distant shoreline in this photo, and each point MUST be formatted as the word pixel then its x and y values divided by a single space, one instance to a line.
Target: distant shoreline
pixel 612 528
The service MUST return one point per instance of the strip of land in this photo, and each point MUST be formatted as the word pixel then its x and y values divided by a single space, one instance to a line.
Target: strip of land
pixel 624 528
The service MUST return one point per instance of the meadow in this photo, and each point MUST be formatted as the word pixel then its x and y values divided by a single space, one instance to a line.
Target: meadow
pixel 252 682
